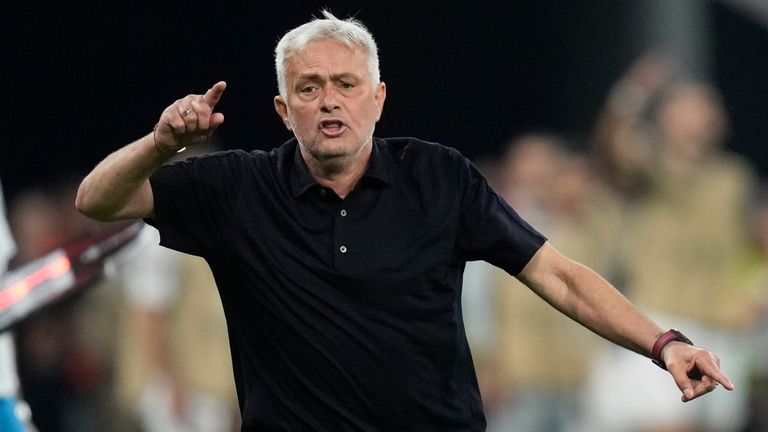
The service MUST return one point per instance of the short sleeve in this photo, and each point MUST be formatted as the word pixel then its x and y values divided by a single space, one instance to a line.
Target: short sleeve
pixel 490 229
pixel 195 200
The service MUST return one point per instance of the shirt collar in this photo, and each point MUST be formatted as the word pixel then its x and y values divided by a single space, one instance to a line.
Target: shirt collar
pixel 379 169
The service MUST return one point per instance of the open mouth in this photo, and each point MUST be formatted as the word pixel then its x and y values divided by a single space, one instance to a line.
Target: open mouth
pixel 332 127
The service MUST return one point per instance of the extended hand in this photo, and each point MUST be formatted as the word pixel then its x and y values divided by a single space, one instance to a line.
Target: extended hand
pixel 189 120
pixel 696 371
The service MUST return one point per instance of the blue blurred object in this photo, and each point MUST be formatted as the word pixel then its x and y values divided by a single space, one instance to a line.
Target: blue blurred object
pixel 9 421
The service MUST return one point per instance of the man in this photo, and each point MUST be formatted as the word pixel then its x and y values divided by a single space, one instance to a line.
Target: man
pixel 338 256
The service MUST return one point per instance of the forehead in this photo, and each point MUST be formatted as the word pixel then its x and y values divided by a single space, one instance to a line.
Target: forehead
pixel 327 56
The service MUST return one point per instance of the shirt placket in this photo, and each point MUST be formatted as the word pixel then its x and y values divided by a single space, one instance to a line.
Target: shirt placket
pixel 343 247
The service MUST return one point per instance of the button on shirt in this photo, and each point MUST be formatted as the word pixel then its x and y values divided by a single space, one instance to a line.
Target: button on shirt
pixel 344 314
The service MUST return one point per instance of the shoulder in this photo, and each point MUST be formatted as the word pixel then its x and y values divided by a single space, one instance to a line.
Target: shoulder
pixel 228 162
pixel 732 175
pixel 225 157
pixel 434 168
pixel 414 151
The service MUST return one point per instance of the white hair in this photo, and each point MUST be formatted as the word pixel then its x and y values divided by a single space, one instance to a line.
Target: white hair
pixel 350 32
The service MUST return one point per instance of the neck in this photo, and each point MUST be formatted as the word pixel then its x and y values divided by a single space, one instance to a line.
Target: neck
pixel 342 173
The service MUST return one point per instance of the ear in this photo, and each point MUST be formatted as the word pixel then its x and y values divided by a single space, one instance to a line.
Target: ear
pixel 282 110
pixel 380 95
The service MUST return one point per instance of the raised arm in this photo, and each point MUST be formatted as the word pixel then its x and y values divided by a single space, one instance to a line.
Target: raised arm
pixel 118 187
pixel 589 299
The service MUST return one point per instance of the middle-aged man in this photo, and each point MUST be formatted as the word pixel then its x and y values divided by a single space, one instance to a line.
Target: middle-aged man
pixel 339 256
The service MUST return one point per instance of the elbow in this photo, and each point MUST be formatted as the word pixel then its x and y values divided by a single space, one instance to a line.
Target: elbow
pixel 82 203
pixel 86 205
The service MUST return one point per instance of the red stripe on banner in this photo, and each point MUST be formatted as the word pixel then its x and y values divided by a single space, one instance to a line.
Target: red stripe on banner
pixel 23 287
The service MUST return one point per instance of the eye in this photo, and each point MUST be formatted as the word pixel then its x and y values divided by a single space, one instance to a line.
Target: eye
pixel 308 89
pixel 346 85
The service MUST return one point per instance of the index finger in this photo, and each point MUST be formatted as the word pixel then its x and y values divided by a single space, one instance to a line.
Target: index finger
pixel 213 95
pixel 711 370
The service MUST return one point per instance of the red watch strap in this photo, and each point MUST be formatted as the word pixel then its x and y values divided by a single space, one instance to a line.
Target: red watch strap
pixel 662 341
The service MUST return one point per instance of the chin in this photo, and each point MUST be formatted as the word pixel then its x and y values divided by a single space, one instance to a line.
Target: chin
pixel 326 155
pixel 333 149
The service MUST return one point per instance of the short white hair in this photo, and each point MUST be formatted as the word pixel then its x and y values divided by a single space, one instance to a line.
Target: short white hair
pixel 351 32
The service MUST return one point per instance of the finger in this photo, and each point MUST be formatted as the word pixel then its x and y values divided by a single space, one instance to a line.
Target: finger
pixel 680 375
pixel 701 388
pixel 203 112
pixel 172 117
pixel 711 371
pixel 216 120
pixel 706 384
pixel 189 115
pixel 213 95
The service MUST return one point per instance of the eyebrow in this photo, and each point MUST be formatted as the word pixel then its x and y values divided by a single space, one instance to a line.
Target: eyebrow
pixel 318 77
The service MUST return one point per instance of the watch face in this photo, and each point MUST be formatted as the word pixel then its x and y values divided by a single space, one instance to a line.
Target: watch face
pixel 681 337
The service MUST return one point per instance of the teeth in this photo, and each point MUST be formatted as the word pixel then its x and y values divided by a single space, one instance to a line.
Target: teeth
pixel 331 125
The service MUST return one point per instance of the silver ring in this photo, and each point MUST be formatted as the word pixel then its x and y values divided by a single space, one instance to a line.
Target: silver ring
pixel 186 112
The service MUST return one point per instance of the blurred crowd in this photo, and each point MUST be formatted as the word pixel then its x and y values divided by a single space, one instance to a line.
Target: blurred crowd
pixel 143 349
pixel 650 198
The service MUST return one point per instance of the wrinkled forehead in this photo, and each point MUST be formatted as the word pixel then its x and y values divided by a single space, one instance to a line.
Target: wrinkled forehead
pixel 329 56
pixel 328 47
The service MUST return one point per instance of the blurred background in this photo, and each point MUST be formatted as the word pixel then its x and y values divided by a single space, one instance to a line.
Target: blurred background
pixel 630 132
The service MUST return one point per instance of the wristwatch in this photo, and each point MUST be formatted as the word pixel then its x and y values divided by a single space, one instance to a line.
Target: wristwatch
pixel 671 336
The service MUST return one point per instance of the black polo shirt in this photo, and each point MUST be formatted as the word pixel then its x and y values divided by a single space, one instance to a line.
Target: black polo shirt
pixel 344 315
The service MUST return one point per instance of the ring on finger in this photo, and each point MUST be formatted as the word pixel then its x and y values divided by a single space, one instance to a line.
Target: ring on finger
pixel 186 112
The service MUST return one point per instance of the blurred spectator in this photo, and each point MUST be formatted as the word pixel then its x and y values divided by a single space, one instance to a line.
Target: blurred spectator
pixel 174 368
pixel 753 273
pixel 660 141
pixel 541 357
pixel 175 371
pixel 63 350
pixel 9 380
pixel 144 350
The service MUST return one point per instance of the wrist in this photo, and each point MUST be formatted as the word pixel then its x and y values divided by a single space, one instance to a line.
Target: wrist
pixel 162 149
pixel 665 339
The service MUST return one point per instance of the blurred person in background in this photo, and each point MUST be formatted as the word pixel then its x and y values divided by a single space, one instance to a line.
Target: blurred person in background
pixel 660 140
pixel 66 350
pixel 174 371
pixel 134 352
pixel 367 334
pixel 542 358
pixel 753 273
pixel 9 379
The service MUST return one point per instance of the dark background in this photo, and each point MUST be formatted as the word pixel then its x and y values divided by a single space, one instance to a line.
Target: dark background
pixel 81 79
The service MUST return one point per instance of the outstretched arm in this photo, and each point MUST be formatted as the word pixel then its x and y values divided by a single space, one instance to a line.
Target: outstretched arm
pixel 589 299
pixel 118 187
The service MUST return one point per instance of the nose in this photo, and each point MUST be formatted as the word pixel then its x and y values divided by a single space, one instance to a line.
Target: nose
pixel 330 99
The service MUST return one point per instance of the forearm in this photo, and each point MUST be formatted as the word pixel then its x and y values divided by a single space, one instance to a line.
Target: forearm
pixel 586 297
pixel 590 300
pixel 118 187
pixel 597 305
